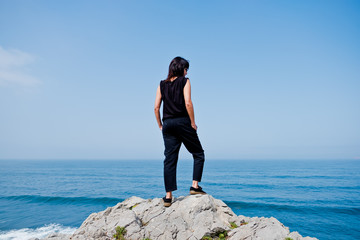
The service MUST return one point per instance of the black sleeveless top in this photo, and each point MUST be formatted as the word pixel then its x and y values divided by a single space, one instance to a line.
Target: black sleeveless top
pixel 172 94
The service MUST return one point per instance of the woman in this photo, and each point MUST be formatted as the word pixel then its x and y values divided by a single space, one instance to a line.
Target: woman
pixel 178 126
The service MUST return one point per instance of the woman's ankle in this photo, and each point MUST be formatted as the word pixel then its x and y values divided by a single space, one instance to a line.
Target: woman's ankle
pixel 168 194
pixel 195 184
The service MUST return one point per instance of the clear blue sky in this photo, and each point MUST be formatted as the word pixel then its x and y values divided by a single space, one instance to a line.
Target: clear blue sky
pixel 270 79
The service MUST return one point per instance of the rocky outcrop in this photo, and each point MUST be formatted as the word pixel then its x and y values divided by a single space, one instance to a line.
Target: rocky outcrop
pixel 191 217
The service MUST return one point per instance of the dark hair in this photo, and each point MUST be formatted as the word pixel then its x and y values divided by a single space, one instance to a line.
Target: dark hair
pixel 176 68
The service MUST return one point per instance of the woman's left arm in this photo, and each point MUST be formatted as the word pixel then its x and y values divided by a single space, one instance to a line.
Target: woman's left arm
pixel 157 107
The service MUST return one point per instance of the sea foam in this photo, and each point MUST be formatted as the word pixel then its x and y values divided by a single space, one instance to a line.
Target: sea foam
pixel 41 232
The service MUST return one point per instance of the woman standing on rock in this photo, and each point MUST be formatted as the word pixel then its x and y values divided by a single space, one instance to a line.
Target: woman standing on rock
pixel 178 126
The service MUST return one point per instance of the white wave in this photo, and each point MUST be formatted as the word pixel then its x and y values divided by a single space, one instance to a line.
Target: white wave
pixel 41 232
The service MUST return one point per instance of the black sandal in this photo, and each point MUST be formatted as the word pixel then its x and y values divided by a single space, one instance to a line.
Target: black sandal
pixel 167 201
pixel 196 191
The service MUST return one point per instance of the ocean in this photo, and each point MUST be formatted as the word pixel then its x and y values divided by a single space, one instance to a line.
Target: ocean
pixel 319 198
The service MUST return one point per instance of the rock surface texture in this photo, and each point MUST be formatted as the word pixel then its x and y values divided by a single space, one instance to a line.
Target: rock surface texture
pixel 191 217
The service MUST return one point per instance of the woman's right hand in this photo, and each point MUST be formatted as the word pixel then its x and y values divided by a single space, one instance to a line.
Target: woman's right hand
pixel 193 125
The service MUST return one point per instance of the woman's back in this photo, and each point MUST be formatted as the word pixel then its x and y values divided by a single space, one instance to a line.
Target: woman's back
pixel 172 94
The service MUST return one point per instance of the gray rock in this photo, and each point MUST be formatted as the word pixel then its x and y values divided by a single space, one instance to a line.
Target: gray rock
pixel 191 217
pixel 260 228
pixel 56 236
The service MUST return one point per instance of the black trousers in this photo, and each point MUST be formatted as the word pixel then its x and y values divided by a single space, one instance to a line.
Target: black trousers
pixel 176 131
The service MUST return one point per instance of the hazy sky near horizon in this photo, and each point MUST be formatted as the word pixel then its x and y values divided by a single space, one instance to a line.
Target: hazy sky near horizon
pixel 270 79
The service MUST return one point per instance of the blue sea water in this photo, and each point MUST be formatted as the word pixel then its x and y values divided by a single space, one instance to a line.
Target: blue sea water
pixel 316 198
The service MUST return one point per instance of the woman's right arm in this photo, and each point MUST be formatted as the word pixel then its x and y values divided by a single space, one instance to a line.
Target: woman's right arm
pixel 157 107
pixel 188 104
